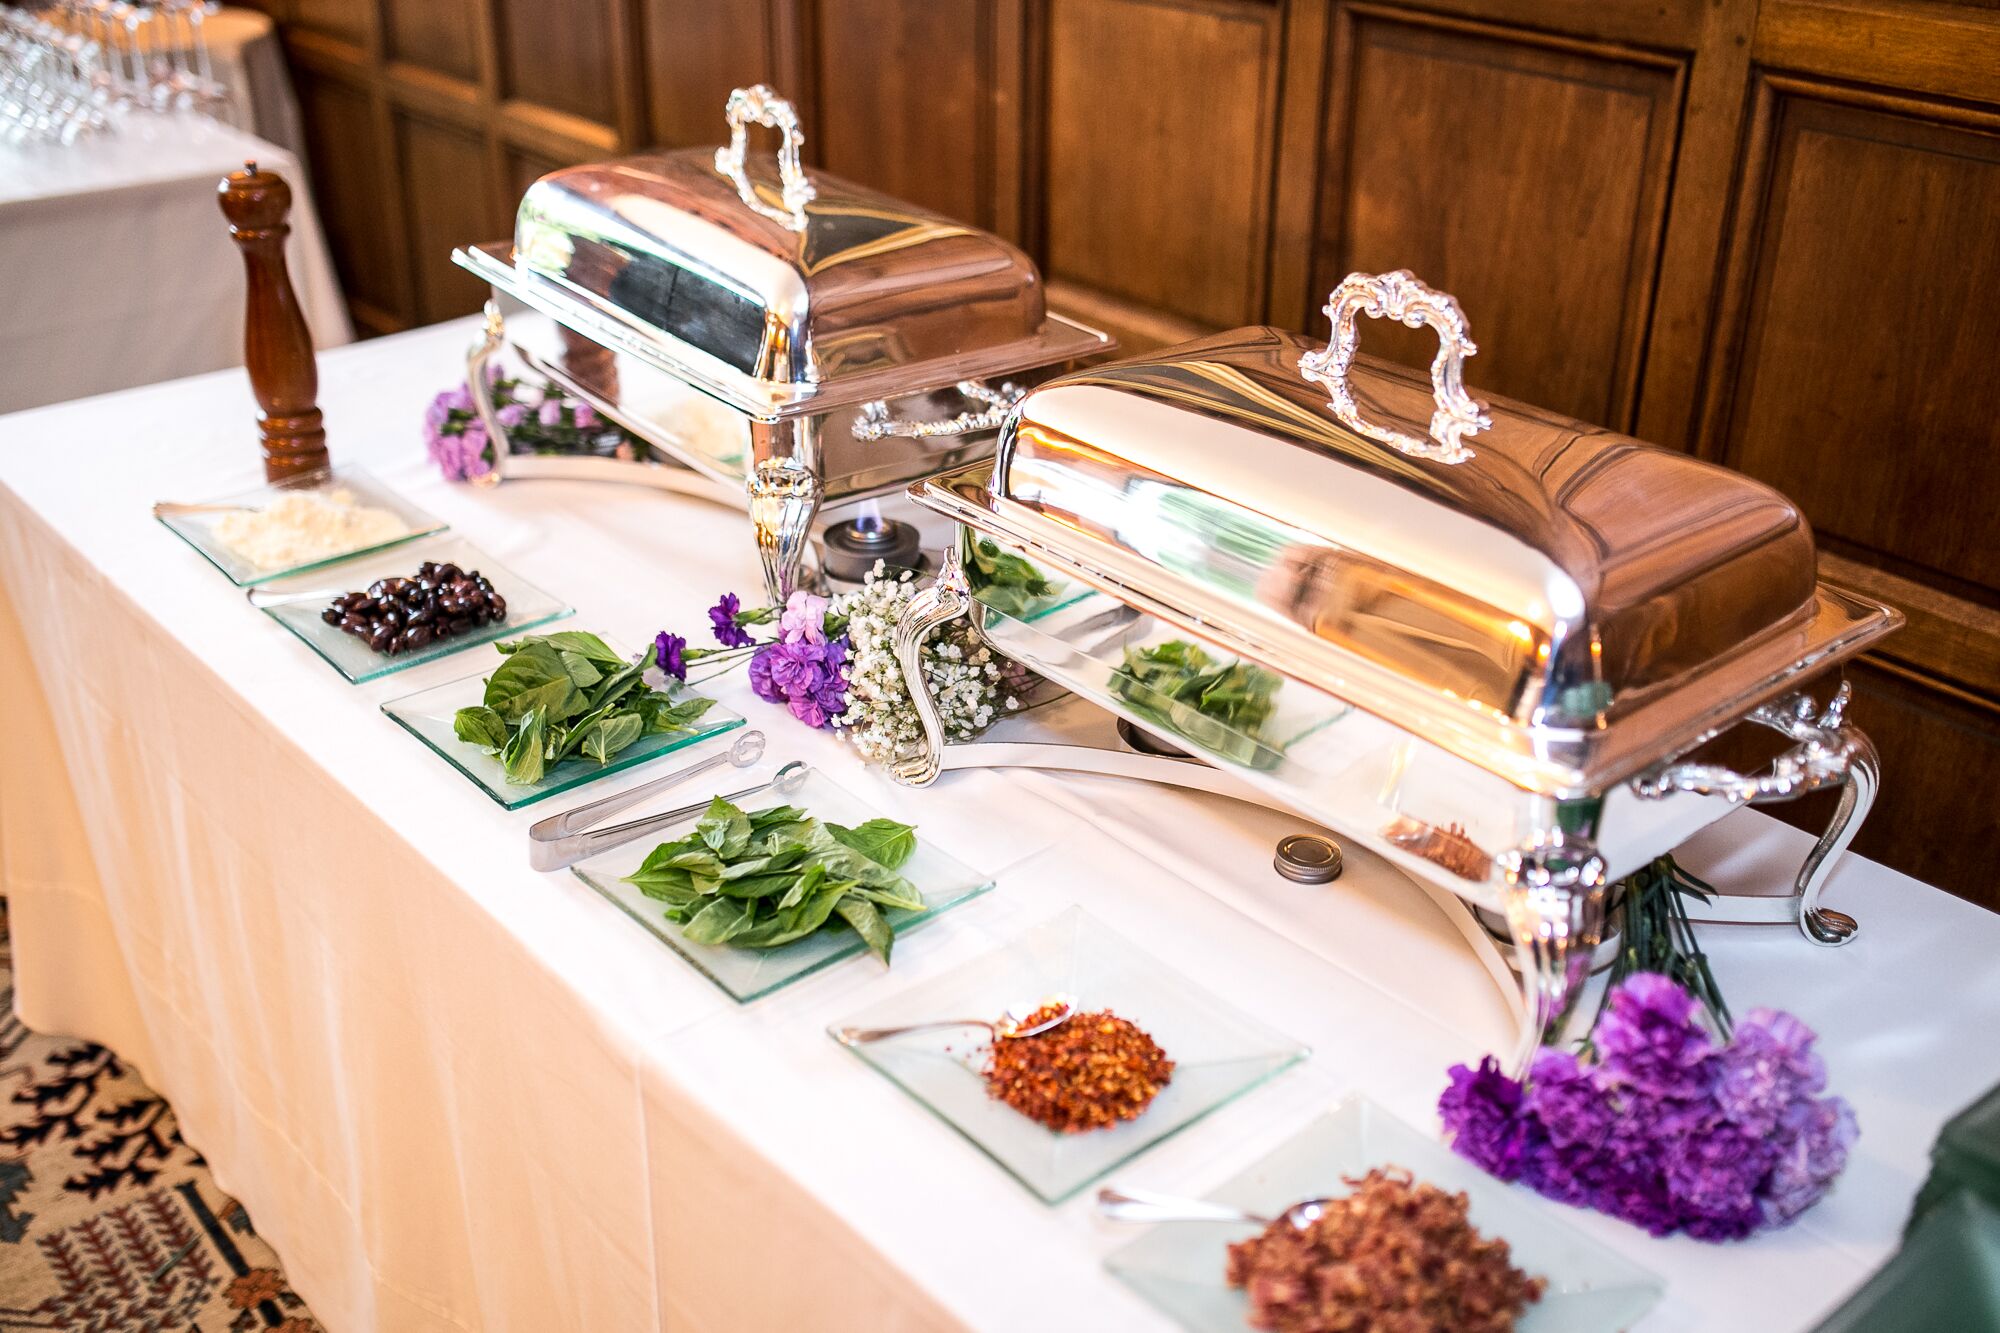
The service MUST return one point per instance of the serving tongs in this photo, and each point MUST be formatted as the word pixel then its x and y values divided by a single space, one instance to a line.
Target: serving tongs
pixel 562 840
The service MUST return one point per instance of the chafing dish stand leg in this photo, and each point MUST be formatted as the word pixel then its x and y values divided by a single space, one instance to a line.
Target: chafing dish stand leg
pixel 784 496
pixel 1829 750
pixel 1554 890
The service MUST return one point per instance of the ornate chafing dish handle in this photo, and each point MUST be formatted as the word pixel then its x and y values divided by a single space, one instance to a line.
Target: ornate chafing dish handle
pixel 875 423
pixel 1401 296
pixel 1829 750
pixel 758 105
pixel 948 598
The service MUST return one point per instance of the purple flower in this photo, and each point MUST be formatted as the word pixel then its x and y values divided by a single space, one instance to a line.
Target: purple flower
pixel 808 678
pixel 760 674
pixel 454 437
pixel 585 417
pixel 1665 1129
pixel 804 618
pixel 668 650
pixel 1714 1177
pixel 723 617
pixel 550 413
pixel 1562 1095
pixel 1482 1114
pixel 512 415
pixel 797 667
pixel 1650 1039
pixel 1769 1065
pixel 1808 1158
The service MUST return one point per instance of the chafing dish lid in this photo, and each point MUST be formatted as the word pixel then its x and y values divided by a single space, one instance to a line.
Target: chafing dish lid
pixel 775 287
pixel 1557 603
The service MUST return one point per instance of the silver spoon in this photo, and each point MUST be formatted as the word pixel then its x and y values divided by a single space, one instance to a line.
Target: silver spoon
pixel 550 849
pixel 1144 1206
pixel 1008 1028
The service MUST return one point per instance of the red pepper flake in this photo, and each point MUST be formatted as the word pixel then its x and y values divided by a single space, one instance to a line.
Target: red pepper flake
pixel 1090 1072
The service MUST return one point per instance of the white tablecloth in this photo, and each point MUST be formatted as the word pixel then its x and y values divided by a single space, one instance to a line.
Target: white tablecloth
pixel 458 1094
pixel 116 266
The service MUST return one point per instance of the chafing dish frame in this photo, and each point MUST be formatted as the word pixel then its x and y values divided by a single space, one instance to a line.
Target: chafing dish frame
pixel 785 480
pixel 1552 886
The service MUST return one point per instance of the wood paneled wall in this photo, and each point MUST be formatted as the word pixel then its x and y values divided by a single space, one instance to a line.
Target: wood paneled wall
pixel 1767 231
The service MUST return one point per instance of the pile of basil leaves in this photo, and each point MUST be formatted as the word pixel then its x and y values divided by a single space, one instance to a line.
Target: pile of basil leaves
pixel 569 695
pixel 1218 706
pixel 763 879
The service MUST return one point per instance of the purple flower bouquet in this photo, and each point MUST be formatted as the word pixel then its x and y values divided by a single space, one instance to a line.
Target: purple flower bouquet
pixel 1664 1128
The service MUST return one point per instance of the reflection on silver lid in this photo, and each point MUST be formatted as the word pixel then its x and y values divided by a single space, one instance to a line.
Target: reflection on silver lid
pixel 766 281
pixel 1557 603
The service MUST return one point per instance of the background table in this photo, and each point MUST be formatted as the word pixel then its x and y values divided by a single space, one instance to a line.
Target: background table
pixel 458 1094
pixel 116 266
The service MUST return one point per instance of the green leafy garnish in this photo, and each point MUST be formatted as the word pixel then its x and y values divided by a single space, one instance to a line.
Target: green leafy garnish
pixel 568 695
pixel 1005 581
pixel 757 880
pixel 1218 707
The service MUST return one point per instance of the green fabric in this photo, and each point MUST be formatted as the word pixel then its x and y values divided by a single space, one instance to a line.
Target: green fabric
pixel 1945 1279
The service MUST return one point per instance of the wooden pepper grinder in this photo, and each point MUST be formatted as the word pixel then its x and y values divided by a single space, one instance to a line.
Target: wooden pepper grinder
pixel 277 347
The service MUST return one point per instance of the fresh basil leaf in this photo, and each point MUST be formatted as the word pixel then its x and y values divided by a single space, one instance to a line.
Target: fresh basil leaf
pixel 581 673
pixel 670 886
pixel 607 736
pixel 524 759
pixel 662 713
pixel 842 860
pixel 777 814
pixel 868 923
pixel 619 682
pixel 531 678
pixel 772 886
pixel 724 828
pixel 882 841
pixel 807 881
pixel 698 861
pixel 582 643
pixel 798 921
pixel 901 896
pixel 716 922
pixel 573 736
pixel 480 726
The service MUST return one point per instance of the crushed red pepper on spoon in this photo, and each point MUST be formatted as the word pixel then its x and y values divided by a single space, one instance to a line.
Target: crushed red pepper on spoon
pixel 1091 1072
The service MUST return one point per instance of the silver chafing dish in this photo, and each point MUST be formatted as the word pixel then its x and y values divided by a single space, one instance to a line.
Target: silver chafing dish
pixel 776 336
pixel 1487 634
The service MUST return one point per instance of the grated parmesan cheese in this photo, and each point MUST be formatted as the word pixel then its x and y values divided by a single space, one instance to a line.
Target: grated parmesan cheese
pixel 305 526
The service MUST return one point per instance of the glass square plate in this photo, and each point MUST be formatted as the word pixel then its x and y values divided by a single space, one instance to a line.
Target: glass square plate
pixel 297 601
pixel 1219 1052
pixel 747 974
pixel 428 715
pixel 198 529
pixel 1178 1267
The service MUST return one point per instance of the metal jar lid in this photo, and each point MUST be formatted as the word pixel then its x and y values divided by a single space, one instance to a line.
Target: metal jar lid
pixel 1308 858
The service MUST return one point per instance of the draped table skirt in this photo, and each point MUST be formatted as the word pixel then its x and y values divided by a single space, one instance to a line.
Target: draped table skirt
pixel 456 1094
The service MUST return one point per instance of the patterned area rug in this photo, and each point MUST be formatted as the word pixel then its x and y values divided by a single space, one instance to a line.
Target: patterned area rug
pixel 109 1223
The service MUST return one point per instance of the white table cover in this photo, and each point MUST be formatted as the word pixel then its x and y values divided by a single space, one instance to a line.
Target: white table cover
pixel 116 266
pixel 457 1094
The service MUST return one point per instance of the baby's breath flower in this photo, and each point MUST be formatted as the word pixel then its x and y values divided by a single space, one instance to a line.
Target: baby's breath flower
pixel 970 683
